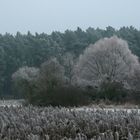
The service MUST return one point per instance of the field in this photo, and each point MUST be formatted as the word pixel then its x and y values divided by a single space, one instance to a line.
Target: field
pixel 49 123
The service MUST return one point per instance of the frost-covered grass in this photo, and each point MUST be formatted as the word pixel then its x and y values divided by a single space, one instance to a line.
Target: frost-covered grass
pixel 48 123
pixel 13 102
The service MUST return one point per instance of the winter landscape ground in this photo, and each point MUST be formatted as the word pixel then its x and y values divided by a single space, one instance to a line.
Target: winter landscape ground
pixel 18 122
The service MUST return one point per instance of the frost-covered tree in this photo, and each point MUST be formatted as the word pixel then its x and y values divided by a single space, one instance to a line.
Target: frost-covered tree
pixel 26 73
pixel 109 59
pixel 25 79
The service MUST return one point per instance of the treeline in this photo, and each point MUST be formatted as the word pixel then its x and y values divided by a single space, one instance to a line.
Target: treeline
pixel 32 50
pixel 106 70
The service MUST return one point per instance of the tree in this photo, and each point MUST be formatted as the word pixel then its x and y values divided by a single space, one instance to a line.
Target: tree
pixel 68 61
pixel 25 80
pixel 51 74
pixel 109 59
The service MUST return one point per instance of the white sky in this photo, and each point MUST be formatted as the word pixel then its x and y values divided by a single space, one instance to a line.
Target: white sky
pixel 51 15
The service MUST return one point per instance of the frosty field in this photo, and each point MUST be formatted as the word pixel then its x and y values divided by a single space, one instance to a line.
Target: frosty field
pixel 49 123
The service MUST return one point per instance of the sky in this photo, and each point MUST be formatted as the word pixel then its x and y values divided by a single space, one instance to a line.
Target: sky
pixel 59 15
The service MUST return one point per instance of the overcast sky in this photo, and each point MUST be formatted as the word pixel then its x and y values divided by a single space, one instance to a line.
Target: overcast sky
pixel 51 15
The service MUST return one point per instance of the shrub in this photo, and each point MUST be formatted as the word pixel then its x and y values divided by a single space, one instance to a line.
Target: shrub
pixel 63 96
pixel 113 91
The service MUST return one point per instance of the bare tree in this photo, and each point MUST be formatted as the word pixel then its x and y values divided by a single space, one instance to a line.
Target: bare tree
pixel 108 59
pixel 68 60
pixel 51 74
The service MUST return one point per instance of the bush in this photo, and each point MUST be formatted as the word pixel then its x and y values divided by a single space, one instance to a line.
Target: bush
pixel 108 91
pixel 113 91
pixel 62 96
pixel 133 97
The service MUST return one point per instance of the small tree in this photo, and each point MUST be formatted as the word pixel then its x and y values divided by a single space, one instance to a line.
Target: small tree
pixel 51 74
pixel 50 77
pixel 109 59
pixel 25 80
